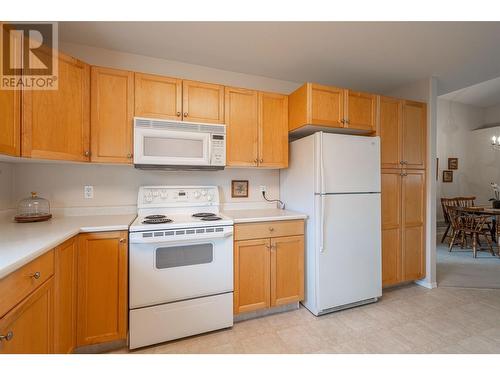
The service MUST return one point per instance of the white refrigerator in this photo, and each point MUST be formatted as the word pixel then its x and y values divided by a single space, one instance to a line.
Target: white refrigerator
pixel 335 179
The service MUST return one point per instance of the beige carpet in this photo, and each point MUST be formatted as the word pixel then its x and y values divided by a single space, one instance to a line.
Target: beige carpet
pixel 460 269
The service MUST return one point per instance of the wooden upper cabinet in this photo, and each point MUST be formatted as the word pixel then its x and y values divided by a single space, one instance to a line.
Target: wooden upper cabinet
pixel 252 274
pixel 273 130
pixel 390 131
pixel 65 296
pixel 391 227
pixel 112 112
pixel 241 108
pixel 102 287
pixel 10 111
pixel 413 198
pixel 287 270
pixel 10 122
pixel 29 325
pixel 327 105
pixel 158 97
pixel 56 123
pixel 361 111
pixel 414 134
pixel 202 102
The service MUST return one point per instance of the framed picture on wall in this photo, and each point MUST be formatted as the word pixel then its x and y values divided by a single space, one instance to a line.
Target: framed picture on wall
pixel 447 176
pixel 452 163
pixel 239 188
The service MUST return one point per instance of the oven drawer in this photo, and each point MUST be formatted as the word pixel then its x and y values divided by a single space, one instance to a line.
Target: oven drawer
pixel 268 229
pixel 20 283
pixel 152 325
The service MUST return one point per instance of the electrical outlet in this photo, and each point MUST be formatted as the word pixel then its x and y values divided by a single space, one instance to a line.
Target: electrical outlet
pixel 88 192
pixel 263 188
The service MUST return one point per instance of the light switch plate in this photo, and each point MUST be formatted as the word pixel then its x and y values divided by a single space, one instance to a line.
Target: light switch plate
pixel 88 192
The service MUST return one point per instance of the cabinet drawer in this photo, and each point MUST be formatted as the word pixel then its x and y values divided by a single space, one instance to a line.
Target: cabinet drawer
pixel 268 229
pixel 20 283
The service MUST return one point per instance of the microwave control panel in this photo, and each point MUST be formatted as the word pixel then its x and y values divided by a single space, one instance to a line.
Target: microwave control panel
pixel 218 149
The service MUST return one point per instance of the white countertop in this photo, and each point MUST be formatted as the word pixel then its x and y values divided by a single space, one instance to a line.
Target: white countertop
pixel 273 214
pixel 20 243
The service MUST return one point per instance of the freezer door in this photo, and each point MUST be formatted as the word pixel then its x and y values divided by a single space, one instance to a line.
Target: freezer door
pixel 349 264
pixel 347 163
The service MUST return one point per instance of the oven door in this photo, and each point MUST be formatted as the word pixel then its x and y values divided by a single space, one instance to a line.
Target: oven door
pixel 179 270
pixel 169 147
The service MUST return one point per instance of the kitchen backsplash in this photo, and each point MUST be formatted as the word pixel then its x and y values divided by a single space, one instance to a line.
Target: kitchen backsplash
pixel 63 183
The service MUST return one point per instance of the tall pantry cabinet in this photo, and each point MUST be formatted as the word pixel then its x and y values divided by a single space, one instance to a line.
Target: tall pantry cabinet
pixel 402 130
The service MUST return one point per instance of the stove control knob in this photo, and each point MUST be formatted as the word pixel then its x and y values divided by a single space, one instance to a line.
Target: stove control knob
pixel 203 192
pixel 163 195
pixel 209 198
pixel 149 199
pixel 155 193
pixel 196 194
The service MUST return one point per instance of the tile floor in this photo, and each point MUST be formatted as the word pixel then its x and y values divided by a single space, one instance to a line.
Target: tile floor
pixel 408 319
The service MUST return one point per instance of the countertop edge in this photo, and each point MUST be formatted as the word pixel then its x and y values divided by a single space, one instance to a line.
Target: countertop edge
pixel 269 218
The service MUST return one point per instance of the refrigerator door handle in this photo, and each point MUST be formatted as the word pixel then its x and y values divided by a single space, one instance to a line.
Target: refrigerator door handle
pixel 322 225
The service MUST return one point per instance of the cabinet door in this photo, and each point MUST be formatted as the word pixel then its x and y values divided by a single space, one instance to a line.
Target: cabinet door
pixel 287 270
pixel 102 287
pixel 65 296
pixel 391 227
pixel 242 130
pixel 112 112
pixel 390 132
pixel 414 134
pixel 273 130
pixel 251 275
pixel 56 123
pixel 327 105
pixel 361 111
pixel 10 110
pixel 158 97
pixel 29 325
pixel 413 198
pixel 202 102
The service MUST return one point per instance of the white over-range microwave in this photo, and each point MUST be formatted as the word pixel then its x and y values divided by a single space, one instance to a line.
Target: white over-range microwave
pixel 174 145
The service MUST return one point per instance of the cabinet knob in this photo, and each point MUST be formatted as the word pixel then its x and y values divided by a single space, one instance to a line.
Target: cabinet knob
pixel 342 121
pixel 86 153
pixel 9 336
pixel 185 114
pixel 36 275
pixel 129 156
pixel 261 160
pixel 271 229
pixel 401 162
pixel 256 161
pixel 178 114
pixel 122 240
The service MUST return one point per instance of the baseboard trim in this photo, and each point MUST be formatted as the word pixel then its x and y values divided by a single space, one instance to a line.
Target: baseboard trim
pixel 426 284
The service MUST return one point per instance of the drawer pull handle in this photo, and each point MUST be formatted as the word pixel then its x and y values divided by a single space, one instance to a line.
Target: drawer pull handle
pixel 7 337
pixel 123 240
pixel 36 275
pixel 271 229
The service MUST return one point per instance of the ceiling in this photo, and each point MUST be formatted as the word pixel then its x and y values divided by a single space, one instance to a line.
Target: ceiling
pixel 372 56
pixel 484 94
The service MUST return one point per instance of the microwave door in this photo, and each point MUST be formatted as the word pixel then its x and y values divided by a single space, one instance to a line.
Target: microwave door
pixel 167 147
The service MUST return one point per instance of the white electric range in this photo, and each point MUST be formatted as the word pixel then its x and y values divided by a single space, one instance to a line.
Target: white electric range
pixel 181 266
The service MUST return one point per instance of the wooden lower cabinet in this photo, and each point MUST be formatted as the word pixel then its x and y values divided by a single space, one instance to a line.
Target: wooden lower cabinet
pixel 252 275
pixel 28 327
pixel 268 271
pixel 403 225
pixel 287 270
pixel 65 296
pixel 102 287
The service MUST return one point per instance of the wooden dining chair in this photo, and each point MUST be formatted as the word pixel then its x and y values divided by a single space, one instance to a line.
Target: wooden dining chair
pixel 446 203
pixel 466 201
pixel 471 225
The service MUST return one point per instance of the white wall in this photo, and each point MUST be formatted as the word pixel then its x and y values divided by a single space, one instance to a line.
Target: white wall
pixel 492 114
pixel 63 183
pixel 425 90
pixel 6 186
pixel 455 138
